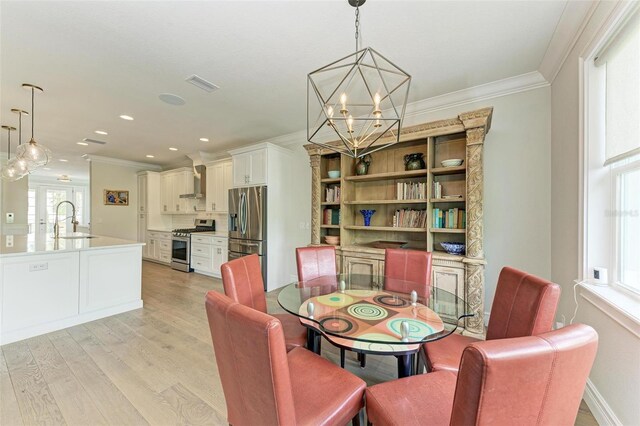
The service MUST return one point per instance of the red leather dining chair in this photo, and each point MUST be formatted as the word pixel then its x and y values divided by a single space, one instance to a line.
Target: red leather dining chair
pixel 242 281
pixel 408 265
pixel 533 380
pixel 265 385
pixel 524 305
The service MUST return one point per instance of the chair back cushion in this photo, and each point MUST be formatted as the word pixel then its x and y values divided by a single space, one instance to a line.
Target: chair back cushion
pixel 524 305
pixel 534 380
pixel 408 265
pixel 242 281
pixel 314 262
pixel 252 362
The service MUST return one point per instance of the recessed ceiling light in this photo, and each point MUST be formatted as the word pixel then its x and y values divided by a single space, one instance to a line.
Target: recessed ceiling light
pixel 171 99
pixel 102 132
pixel 82 143
pixel 173 149
pixel 204 139
pixel 126 117
pixel 150 156
pixel 63 160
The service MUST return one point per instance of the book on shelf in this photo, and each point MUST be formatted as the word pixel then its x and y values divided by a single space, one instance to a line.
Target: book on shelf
pixel 332 194
pixel 331 216
pixel 437 190
pixel 411 190
pixel 409 218
pixel 449 219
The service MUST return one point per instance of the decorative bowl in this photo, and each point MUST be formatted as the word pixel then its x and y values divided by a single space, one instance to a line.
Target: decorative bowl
pixel 334 174
pixel 332 239
pixel 453 162
pixel 453 248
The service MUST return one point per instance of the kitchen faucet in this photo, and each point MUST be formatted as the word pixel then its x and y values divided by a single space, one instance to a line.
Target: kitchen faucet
pixel 74 221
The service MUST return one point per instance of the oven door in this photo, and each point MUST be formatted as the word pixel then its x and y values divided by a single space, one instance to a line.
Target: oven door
pixel 181 253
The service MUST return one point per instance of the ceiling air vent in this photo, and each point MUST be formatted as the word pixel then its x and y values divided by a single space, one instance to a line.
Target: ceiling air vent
pixel 201 83
pixel 89 140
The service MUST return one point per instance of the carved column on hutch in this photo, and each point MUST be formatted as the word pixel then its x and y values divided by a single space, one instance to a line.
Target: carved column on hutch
pixel 316 194
pixel 474 262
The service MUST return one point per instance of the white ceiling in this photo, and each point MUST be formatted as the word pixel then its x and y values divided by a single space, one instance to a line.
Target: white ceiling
pixel 98 60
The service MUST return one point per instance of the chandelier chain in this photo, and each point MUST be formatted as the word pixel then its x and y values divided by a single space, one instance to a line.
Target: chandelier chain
pixel 357 24
pixel 32 110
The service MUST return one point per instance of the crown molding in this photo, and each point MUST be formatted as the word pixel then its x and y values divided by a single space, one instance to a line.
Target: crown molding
pixel 575 17
pixel 122 163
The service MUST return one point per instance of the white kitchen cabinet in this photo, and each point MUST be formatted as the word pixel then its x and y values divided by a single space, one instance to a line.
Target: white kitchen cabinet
pixel 159 246
pixel 38 290
pixel 250 168
pixel 450 279
pixel 219 181
pixel 142 193
pixel 142 231
pixel 173 184
pixel 102 286
pixel 208 253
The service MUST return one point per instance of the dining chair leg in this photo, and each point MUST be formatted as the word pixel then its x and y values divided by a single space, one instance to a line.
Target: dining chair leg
pixel 341 357
pixel 355 421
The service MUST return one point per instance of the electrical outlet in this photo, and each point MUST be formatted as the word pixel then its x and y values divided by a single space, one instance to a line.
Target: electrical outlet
pixel 9 241
pixel 10 217
pixel 34 267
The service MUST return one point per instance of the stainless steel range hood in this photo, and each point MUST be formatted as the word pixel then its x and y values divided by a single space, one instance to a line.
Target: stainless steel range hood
pixel 199 183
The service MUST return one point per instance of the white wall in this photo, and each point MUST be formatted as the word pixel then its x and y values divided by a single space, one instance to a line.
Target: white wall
pixel 615 377
pixel 13 199
pixel 114 221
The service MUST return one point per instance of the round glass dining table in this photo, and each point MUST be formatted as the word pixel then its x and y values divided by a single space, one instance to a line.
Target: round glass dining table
pixel 374 315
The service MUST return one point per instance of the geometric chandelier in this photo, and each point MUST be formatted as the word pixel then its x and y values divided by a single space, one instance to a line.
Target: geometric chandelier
pixel 360 98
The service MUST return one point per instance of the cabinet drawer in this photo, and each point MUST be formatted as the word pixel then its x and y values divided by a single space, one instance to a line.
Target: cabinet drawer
pixel 203 250
pixel 165 245
pixel 201 239
pixel 159 235
pixel 165 256
pixel 202 263
pixel 222 242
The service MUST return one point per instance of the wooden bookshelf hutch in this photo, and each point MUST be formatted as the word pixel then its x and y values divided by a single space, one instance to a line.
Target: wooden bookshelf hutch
pixel 461 137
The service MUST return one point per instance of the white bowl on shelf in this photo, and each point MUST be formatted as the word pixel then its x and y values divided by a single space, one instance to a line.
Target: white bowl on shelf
pixel 452 162
pixel 334 174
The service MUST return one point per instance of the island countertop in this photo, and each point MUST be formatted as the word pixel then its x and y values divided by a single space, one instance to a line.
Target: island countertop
pixel 20 245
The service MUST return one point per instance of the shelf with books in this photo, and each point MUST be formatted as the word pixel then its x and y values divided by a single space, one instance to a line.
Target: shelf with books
pixel 387 176
pixel 380 202
pixel 383 228
pixel 324 203
pixel 447 200
pixel 448 230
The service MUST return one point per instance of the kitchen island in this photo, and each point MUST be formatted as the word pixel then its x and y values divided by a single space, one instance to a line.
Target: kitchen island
pixel 51 283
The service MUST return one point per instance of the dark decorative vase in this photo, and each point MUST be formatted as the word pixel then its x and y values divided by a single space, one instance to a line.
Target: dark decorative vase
pixel 362 166
pixel 414 161
pixel 366 214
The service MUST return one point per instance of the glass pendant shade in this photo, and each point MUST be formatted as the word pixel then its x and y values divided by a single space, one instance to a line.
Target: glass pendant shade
pixel 360 99
pixel 11 173
pixel 34 154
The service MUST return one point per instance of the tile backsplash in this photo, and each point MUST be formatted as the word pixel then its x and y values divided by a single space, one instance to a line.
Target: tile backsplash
pixel 186 220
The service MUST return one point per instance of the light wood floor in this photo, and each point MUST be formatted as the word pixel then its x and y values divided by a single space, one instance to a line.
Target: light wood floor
pixel 150 366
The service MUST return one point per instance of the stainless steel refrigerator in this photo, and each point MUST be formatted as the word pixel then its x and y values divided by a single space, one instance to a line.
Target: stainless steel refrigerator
pixel 248 224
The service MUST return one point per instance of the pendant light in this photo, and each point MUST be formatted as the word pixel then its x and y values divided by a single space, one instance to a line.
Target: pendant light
pixel 9 172
pixel 35 154
pixel 360 98
pixel 21 165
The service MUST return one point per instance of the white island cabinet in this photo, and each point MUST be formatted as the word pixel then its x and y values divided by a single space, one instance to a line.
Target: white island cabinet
pixel 53 284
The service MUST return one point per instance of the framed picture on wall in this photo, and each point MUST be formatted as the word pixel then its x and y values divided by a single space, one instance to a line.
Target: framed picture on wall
pixel 116 197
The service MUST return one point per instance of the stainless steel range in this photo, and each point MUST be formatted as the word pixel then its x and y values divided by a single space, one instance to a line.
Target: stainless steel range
pixel 181 243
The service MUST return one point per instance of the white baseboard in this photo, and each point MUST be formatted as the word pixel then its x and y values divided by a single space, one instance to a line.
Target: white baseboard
pixel 37 330
pixel 599 407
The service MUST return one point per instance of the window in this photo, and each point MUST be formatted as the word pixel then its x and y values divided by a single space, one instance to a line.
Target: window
pixel 31 210
pixel 612 154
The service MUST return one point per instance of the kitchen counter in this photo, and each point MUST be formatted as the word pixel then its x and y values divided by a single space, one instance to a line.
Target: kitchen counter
pixel 219 234
pixel 18 245
pixel 49 284
pixel 159 230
